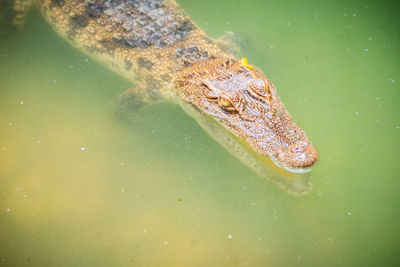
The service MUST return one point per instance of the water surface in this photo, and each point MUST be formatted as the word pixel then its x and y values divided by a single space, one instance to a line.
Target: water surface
pixel 81 187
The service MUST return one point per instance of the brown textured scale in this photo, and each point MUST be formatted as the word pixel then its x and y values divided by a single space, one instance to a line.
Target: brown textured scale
pixel 133 23
pixel 245 102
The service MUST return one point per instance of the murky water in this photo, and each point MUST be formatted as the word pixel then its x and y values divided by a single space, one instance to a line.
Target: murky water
pixel 81 187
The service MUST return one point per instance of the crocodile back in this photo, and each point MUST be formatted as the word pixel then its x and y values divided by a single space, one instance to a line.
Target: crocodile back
pixel 132 23
pixel 136 38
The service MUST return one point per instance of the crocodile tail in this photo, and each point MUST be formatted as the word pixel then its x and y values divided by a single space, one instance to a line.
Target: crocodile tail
pixel 12 15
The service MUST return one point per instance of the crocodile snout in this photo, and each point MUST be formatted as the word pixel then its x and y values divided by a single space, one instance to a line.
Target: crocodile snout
pixel 298 155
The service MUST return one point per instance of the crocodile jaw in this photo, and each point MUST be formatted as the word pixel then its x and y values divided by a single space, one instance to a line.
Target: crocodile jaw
pixel 292 151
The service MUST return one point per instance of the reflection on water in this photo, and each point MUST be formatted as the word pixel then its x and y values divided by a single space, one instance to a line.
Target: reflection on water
pixel 79 187
pixel 295 181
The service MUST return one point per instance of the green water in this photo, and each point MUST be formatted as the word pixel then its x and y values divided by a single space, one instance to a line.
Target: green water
pixel 78 187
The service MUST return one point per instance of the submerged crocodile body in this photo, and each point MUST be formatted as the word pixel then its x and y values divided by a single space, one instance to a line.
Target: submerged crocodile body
pixel 155 44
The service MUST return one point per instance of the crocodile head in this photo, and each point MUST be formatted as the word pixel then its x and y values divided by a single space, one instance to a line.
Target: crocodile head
pixel 244 101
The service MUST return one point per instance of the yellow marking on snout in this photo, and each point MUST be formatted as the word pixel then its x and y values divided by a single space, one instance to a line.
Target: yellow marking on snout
pixel 245 63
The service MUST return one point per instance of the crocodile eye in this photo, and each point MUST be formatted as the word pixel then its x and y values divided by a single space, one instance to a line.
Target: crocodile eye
pixel 259 89
pixel 226 104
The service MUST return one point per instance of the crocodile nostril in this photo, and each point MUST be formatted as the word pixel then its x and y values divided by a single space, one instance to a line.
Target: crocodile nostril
pixel 299 148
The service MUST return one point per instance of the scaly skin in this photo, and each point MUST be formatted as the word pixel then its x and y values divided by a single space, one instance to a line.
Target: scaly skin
pixel 155 44
pixel 243 100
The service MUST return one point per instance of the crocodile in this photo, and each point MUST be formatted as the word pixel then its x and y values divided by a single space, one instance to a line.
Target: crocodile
pixel 155 44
